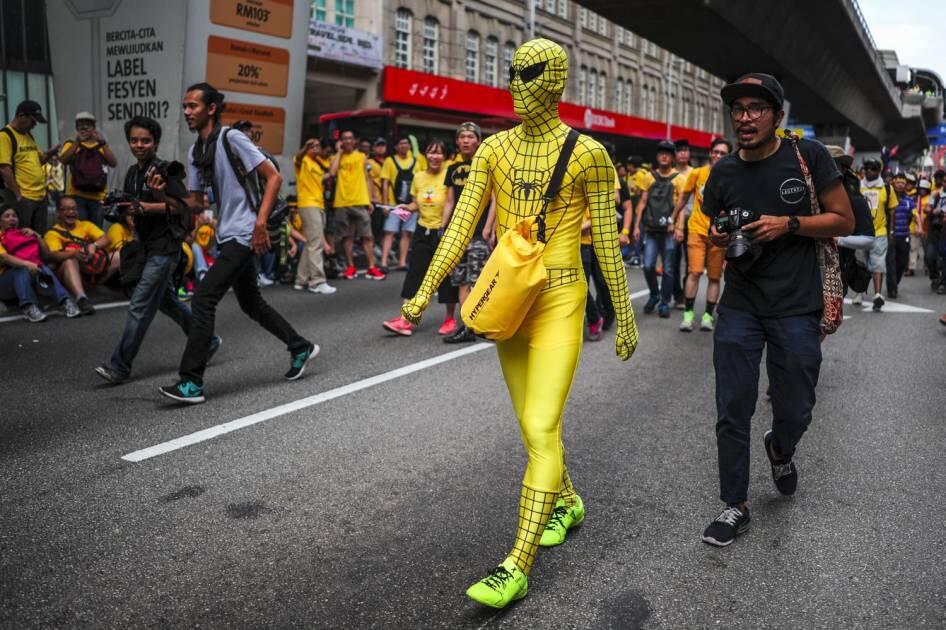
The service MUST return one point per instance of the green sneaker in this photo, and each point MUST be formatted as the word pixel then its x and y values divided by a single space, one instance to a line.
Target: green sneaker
pixel 504 584
pixel 563 519
pixel 707 322
pixel 687 324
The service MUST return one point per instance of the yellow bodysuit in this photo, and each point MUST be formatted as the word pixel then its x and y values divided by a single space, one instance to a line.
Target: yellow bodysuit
pixel 539 361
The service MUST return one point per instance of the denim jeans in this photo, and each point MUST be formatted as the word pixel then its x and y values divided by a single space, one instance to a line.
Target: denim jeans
pixel 599 305
pixel 152 293
pixel 235 268
pixel 90 210
pixel 792 361
pixel 659 243
pixel 19 284
pixel 200 261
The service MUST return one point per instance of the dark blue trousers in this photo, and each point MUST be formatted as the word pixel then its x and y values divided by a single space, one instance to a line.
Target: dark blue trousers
pixel 793 362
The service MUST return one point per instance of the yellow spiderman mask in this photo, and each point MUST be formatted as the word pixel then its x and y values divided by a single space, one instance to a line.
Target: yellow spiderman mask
pixel 537 78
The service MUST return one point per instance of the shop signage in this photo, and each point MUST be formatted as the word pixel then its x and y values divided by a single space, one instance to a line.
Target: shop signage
pixel 239 66
pixel 347 45
pixel 269 17
pixel 269 123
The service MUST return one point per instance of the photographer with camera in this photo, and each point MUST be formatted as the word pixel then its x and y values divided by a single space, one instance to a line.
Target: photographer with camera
pixel 761 201
pixel 152 194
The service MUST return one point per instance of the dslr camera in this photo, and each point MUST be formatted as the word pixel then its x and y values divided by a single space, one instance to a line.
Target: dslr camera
pixel 740 246
pixel 116 205
pixel 167 169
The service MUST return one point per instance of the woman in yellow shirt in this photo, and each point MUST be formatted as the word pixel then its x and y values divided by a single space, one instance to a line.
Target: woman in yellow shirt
pixel 428 196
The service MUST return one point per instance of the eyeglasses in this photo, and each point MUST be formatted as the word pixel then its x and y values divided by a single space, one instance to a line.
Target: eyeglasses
pixel 528 73
pixel 754 111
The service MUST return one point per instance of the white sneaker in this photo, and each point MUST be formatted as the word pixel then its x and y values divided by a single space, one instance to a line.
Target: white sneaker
pixel 858 299
pixel 263 281
pixel 298 287
pixel 324 288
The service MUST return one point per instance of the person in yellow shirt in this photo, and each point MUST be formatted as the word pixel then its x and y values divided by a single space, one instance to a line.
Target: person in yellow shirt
pixel 21 166
pixel 659 194
pixel 88 155
pixel 353 204
pixel 396 177
pixel 55 180
pixel 428 197
pixel 120 233
pixel 917 232
pixel 72 240
pixel 882 200
pixel 310 193
pixel 702 255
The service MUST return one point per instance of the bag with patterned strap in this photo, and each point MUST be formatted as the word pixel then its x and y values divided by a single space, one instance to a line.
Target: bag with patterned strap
pixel 833 287
pixel 515 273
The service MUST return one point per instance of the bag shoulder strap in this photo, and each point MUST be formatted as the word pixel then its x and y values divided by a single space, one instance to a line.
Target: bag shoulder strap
pixel 69 236
pixel 240 171
pixel 13 146
pixel 556 182
pixel 803 165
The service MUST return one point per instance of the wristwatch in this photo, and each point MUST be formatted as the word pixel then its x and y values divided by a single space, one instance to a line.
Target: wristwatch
pixel 793 225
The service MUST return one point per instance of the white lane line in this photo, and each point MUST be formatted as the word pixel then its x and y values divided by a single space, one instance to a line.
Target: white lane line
pixel 303 403
pixel 98 307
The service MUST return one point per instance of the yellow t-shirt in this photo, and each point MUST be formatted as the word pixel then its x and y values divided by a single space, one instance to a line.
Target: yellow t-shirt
pixel 118 234
pixel 698 223
pixel 82 231
pixel 877 199
pixel 374 170
pixel 297 223
pixel 70 190
pixel 27 168
pixel 634 181
pixel 430 193
pixel 351 188
pixel 309 188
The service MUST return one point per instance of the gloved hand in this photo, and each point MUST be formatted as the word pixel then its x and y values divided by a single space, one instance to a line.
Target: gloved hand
pixel 625 342
pixel 414 309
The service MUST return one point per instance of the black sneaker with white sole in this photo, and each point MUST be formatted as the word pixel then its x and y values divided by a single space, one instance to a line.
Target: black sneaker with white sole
pixel 111 375
pixel 299 361
pixel 784 473
pixel 730 523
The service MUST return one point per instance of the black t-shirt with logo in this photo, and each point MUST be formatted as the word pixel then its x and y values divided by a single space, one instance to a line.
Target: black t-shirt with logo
pixel 785 280
pixel 456 179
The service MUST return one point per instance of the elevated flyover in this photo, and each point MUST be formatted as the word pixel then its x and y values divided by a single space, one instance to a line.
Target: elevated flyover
pixel 820 50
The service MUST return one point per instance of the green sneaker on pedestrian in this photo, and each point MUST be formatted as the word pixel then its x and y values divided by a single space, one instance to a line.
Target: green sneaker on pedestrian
pixel 706 324
pixel 502 585
pixel 687 324
pixel 563 519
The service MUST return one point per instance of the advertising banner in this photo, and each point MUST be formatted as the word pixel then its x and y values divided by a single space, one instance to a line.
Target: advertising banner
pixel 117 61
pixel 339 43
pixel 269 124
pixel 247 67
pixel 269 17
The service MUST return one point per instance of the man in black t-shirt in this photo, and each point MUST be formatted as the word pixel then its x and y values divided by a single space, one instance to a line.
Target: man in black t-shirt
pixel 772 301
pixel 160 229
pixel 468 270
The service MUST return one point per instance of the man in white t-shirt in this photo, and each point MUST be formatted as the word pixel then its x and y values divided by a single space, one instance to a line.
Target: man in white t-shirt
pixel 225 163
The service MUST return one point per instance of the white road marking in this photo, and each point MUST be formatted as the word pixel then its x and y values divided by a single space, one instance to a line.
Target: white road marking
pixel 303 403
pixel 98 307
pixel 891 307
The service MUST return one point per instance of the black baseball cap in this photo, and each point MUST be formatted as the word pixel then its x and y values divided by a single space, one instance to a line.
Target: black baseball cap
pixel 31 109
pixel 666 145
pixel 757 84
pixel 379 141
pixel 634 159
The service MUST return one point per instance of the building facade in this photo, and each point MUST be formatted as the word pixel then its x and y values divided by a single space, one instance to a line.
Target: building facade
pixel 626 83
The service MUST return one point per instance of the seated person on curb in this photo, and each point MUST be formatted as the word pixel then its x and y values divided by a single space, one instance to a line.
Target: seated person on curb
pixel 120 233
pixel 73 242
pixel 21 265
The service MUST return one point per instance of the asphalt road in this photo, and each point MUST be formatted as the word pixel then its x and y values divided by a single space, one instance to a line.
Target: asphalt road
pixel 376 505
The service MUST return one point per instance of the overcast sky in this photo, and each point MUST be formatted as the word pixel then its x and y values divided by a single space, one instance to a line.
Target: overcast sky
pixel 916 29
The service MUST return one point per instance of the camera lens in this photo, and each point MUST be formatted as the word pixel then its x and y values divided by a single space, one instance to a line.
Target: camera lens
pixel 740 247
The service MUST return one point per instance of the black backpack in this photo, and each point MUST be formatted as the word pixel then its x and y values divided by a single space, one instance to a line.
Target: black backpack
pixel 402 183
pixel 5 194
pixel 659 203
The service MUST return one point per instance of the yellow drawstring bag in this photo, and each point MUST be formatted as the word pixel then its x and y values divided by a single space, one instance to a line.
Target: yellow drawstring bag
pixel 510 281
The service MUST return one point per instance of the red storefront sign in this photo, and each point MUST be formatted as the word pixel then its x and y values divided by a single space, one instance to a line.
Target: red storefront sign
pixel 407 87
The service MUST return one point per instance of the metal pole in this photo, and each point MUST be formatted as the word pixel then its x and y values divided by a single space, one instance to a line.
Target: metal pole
pixel 530 25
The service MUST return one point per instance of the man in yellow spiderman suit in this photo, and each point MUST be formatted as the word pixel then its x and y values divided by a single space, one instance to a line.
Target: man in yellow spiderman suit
pixel 539 361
